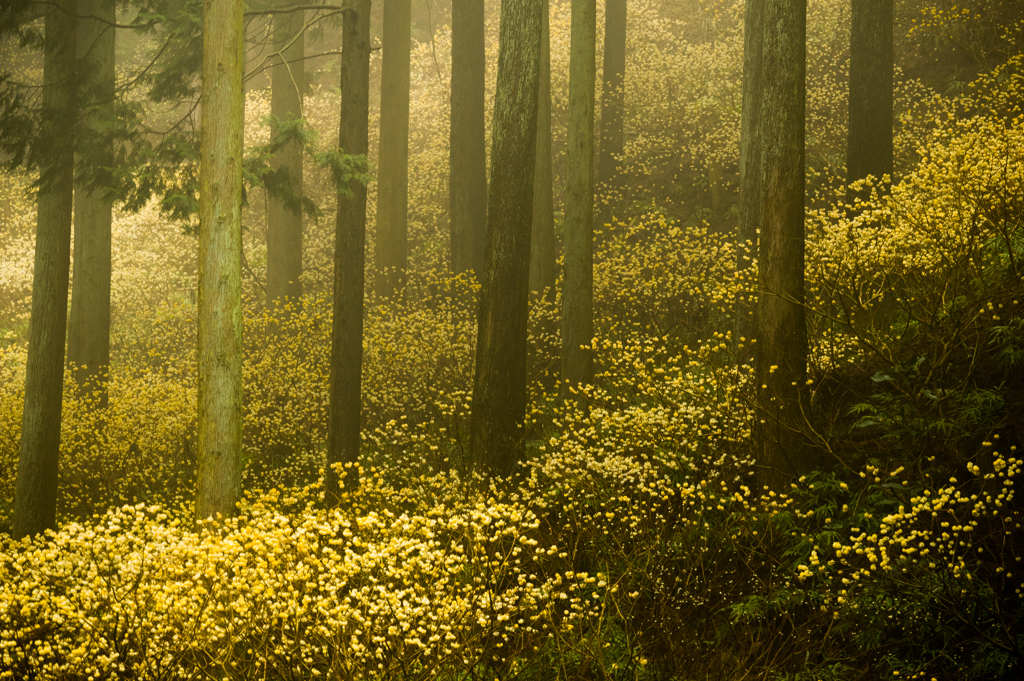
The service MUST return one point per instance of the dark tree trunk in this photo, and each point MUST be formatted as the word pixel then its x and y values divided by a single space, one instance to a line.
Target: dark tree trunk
pixel 542 249
pixel 220 261
pixel 499 387
pixel 284 218
pixel 578 287
pixel 349 265
pixel 869 146
pixel 612 102
pixel 89 323
pixel 750 181
pixel 35 498
pixel 468 182
pixel 392 249
pixel 781 366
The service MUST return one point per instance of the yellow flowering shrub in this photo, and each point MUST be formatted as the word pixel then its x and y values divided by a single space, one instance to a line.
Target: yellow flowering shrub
pixel 916 293
pixel 288 591
pixel 656 275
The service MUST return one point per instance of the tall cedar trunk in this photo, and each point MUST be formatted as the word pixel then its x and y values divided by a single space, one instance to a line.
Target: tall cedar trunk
pixel 542 247
pixel 578 287
pixel 869 145
pixel 349 246
pixel 750 181
pixel 781 365
pixel 220 261
pixel 392 249
pixel 468 181
pixel 284 218
pixel 612 103
pixel 35 498
pixel 499 387
pixel 89 323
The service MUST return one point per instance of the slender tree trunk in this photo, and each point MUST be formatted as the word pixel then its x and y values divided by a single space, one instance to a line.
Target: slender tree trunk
pixel 35 498
pixel 468 182
pixel 750 182
pixel 499 387
pixel 578 287
pixel 542 251
pixel 612 103
pixel 220 261
pixel 715 185
pixel 393 180
pixel 869 146
pixel 781 365
pixel 89 323
pixel 284 218
pixel 349 265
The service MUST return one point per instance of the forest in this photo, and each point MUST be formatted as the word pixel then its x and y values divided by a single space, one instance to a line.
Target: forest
pixel 524 340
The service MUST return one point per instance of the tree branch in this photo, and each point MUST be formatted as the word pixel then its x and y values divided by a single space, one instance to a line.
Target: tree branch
pixel 297 8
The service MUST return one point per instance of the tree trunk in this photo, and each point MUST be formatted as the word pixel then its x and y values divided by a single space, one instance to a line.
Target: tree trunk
pixel 220 261
pixel 869 146
pixel 468 181
pixel 781 366
pixel 349 265
pixel 284 218
pixel 499 387
pixel 89 323
pixel 393 179
pixel 612 103
pixel 542 249
pixel 35 498
pixel 750 182
pixel 578 287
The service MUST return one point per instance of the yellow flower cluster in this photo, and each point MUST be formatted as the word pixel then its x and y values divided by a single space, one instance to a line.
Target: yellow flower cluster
pixel 300 593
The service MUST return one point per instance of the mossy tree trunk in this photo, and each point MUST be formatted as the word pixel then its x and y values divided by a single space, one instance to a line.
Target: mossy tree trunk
pixel 220 261
pixel 499 387
pixel 612 104
pixel 35 497
pixel 468 153
pixel 284 217
pixel 89 323
pixel 578 286
pixel 781 364
pixel 392 250
pixel 870 141
pixel 349 266
pixel 542 248
pixel 750 182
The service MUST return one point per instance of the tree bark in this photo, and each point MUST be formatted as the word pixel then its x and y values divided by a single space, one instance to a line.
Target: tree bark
pixel 393 180
pixel 612 103
pixel 543 266
pixel 869 145
pixel 499 387
pixel 781 366
pixel 468 153
pixel 89 323
pixel 578 286
pixel 349 259
pixel 35 498
pixel 750 181
pixel 284 221
pixel 220 261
